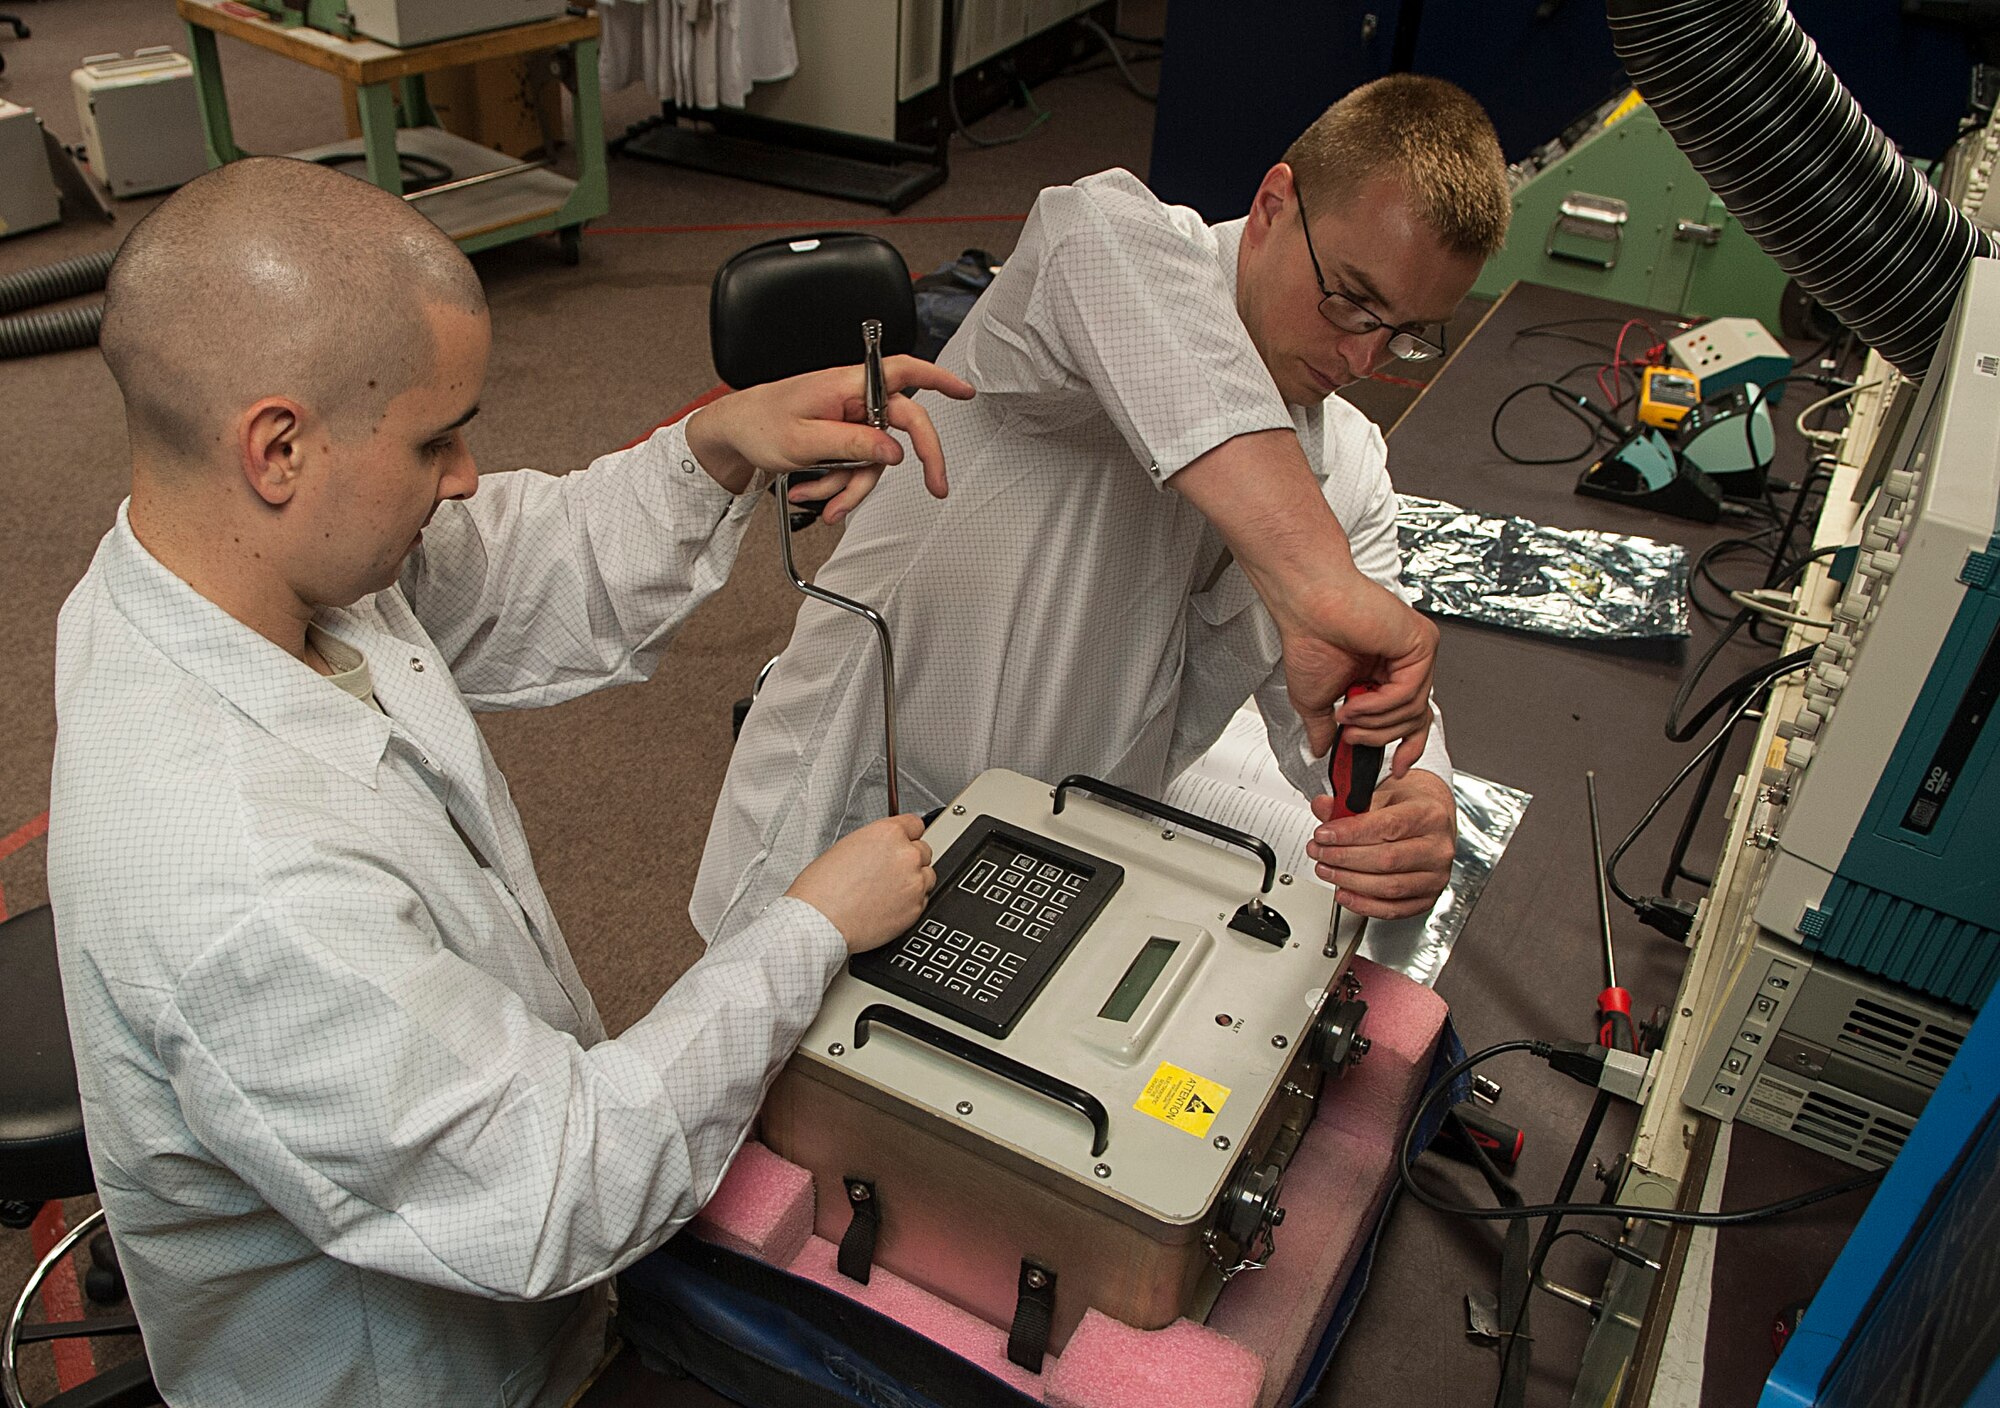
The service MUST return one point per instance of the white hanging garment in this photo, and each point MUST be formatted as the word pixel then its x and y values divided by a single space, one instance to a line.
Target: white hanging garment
pixel 696 53
pixel 765 41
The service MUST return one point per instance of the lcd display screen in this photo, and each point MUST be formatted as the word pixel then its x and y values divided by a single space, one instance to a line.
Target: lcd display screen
pixel 1138 980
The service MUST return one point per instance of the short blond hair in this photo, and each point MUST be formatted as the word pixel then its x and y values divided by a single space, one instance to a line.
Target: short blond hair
pixel 1432 137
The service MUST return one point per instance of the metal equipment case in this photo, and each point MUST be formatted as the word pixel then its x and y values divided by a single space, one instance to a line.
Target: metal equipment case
pixel 404 23
pixel 1126 1133
pixel 1883 855
pixel 141 122
pixel 1617 211
pixel 28 198
pixel 407 23
pixel 1822 1054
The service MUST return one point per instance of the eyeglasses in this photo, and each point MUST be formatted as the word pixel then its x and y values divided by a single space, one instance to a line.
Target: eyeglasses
pixel 1349 316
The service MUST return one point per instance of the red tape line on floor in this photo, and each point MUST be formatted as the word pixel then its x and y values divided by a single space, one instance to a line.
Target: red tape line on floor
pixel 24 834
pixel 75 1363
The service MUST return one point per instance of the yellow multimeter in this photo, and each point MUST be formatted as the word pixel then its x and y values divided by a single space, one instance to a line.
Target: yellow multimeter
pixel 1666 395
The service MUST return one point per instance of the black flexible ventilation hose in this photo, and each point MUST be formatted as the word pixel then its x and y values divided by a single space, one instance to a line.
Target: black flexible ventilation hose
pixel 1747 97
pixel 27 288
pixel 56 330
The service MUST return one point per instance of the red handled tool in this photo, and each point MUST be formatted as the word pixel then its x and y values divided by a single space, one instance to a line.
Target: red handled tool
pixel 1351 776
pixel 1354 768
pixel 1615 1031
pixel 1468 1126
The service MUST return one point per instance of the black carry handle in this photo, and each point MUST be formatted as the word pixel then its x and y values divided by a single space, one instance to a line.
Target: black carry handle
pixel 1228 835
pixel 992 1062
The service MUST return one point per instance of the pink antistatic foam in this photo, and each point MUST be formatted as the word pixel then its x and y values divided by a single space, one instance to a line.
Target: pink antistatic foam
pixel 1404 1019
pixel 1269 1320
pixel 1111 1365
pixel 764 1207
pixel 959 1331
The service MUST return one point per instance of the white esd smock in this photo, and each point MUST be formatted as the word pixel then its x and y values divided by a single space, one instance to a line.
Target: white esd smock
pixel 1055 613
pixel 354 1119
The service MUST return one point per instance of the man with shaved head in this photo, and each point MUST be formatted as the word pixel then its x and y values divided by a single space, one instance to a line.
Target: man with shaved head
pixel 355 1122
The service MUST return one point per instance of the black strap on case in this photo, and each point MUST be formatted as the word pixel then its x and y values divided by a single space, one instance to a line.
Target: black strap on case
pixel 1034 1313
pixel 857 1245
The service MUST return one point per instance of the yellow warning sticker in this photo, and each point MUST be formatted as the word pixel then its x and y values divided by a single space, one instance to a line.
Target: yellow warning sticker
pixel 1183 1099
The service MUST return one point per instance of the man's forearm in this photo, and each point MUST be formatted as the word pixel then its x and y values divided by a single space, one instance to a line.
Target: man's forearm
pixel 1261 496
pixel 1336 625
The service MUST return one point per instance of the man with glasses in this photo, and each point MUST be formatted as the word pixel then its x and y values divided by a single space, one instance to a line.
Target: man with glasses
pixel 1158 509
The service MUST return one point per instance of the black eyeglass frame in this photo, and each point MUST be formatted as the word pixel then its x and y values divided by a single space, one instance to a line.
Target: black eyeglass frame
pixel 1404 344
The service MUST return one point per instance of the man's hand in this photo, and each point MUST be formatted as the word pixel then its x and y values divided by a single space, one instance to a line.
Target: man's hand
pixel 872 883
pixel 803 420
pixel 1322 661
pixel 1394 859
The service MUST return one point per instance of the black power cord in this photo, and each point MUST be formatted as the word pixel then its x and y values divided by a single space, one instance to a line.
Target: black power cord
pixel 1594 418
pixel 1575 1059
pixel 1674 917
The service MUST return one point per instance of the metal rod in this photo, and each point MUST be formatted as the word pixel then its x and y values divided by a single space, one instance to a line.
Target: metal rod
pixel 10 1379
pixel 1603 897
pixel 1574 1297
pixel 477 180
pixel 1333 933
pixel 876 386
pixel 866 613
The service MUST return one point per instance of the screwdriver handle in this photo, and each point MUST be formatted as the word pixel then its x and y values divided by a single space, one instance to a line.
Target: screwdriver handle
pixel 1615 1030
pixel 1468 1126
pixel 1354 769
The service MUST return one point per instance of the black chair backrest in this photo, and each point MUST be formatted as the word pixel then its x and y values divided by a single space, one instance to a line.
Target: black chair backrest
pixel 788 306
pixel 42 1153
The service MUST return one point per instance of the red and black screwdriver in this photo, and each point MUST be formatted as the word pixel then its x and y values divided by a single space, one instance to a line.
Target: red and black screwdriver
pixel 1615 1031
pixel 1354 768
pixel 1351 774
pixel 1467 1127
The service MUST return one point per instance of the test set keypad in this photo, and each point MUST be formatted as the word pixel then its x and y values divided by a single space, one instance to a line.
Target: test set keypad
pixel 1010 907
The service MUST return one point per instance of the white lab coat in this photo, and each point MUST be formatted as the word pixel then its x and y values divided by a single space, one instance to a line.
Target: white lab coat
pixel 696 53
pixel 354 1119
pixel 1055 614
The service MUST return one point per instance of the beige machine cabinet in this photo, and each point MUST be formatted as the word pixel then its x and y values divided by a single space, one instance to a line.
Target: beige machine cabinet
pixel 859 58
pixel 1119 1113
pixel 141 121
pixel 28 198
pixel 405 23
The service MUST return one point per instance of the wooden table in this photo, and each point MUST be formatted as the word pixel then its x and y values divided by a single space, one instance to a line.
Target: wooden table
pixel 491 199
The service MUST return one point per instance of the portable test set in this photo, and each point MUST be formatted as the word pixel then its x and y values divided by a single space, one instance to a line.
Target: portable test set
pixel 141 120
pixel 1078 1080
pixel 1089 1061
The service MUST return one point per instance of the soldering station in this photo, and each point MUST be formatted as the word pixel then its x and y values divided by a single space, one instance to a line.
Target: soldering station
pixel 1141 1106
